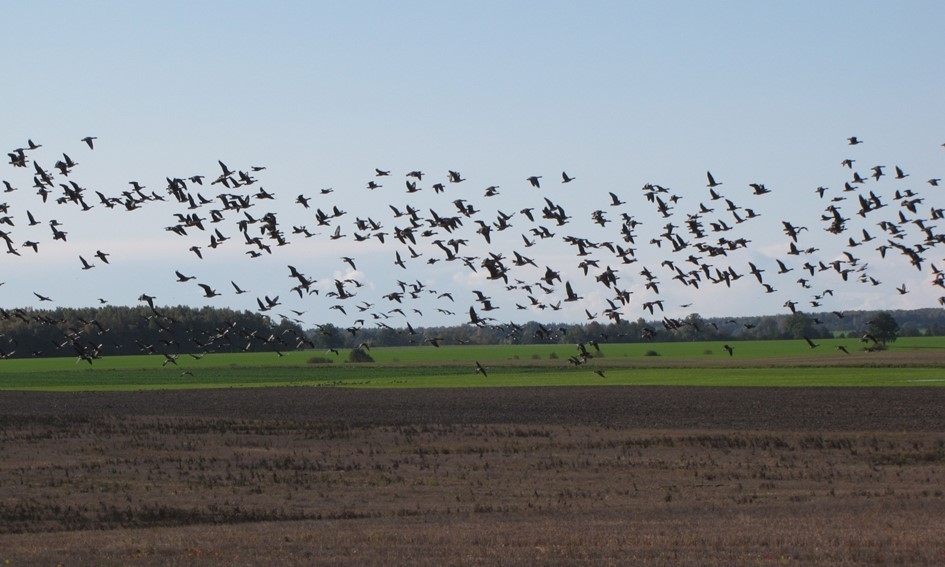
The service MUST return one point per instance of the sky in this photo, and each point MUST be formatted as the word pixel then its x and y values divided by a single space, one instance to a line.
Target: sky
pixel 617 94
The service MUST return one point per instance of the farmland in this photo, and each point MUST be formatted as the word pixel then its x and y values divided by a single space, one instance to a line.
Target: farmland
pixel 679 458
pixel 913 361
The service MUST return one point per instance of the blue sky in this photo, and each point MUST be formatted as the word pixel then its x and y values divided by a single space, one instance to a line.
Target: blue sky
pixel 618 94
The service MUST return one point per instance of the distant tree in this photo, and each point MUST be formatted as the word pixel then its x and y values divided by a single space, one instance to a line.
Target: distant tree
pixel 695 328
pixel 883 327
pixel 594 330
pixel 328 336
pixel 766 328
pixel 799 325
pixel 909 330
pixel 935 330
pixel 359 355
pixel 577 334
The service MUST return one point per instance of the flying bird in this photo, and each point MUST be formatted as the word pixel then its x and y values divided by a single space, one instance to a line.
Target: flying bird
pixel 208 291
pixel 182 278
pixel 755 271
pixel 712 182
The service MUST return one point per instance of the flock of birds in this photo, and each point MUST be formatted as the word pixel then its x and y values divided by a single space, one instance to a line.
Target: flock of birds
pixel 701 238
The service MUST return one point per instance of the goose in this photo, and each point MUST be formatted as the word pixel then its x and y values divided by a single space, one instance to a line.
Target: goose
pixel 712 182
pixel 208 291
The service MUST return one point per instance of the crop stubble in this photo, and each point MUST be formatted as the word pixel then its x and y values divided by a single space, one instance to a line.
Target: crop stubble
pixel 647 475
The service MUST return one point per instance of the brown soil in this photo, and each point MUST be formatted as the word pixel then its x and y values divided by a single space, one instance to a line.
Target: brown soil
pixel 775 409
pixel 697 476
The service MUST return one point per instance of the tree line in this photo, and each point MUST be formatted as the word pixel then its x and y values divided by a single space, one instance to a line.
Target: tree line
pixel 92 332
pixel 884 326
pixel 120 330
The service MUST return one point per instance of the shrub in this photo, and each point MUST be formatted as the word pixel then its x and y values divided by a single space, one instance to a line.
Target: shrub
pixel 707 352
pixel 553 356
pixel 651 353
pixel 320 360
pixel 359 355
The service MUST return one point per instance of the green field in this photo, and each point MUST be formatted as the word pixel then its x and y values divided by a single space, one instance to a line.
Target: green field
pixel 912 361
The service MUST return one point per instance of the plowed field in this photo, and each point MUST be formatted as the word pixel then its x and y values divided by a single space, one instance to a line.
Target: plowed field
pixel 638 475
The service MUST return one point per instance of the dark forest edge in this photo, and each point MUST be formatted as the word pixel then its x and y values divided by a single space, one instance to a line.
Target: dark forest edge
pixel 93 332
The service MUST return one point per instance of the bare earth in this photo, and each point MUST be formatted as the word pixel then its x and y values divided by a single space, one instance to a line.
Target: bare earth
pixel 636 475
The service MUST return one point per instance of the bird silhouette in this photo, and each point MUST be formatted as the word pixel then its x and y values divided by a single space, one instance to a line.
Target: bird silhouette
pixel 712 182
pixel 208 291
pixel 699 246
